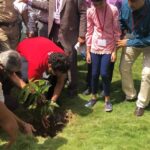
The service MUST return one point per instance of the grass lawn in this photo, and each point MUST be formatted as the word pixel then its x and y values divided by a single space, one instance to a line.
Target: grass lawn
pixel 94 129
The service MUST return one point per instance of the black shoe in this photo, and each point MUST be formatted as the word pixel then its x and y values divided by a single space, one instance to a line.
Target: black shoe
pixel 139 111
pixel 87 91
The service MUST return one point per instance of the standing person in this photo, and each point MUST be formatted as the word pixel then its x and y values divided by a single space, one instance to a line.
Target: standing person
pixel 118 4
pixel 9 64
pixel 137 24
pixel 41 55
pixel 35 19
pixel 9 28
pixel 67 27
pixel 101 38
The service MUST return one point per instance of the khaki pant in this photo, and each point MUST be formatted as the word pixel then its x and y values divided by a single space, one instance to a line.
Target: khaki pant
pixel 129 55
pixel 9 37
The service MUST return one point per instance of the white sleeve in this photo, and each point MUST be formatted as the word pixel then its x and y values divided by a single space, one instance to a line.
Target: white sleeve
pixel 20 6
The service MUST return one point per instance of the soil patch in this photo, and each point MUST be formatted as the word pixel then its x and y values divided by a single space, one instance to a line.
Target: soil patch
pixel 57 121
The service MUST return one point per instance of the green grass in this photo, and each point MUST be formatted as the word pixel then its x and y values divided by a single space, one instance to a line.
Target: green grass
pixel 94 129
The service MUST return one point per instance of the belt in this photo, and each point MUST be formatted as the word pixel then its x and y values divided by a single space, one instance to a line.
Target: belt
pixel 8 24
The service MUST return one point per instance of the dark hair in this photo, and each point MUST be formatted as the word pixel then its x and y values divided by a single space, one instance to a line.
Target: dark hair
pixel 59 62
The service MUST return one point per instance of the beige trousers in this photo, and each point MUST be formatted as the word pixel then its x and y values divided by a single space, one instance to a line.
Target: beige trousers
pixel 129 55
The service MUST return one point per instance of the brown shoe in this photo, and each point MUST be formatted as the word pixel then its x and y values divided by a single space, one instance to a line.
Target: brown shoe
pixel 139 111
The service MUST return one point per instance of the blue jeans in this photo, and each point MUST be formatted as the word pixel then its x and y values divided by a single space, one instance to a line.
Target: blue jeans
pixel 101 66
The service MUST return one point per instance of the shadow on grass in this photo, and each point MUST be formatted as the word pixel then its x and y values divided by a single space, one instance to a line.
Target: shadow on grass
pixel 52 144
pixel 117 93
pixel 75 104
pixel 31 143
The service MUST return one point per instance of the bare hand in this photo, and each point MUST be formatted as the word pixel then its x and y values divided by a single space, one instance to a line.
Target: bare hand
pixel 113 57
pixel 29 129
pixel 122 43
pixel 88 58
pixel 45 121
pixel 81 40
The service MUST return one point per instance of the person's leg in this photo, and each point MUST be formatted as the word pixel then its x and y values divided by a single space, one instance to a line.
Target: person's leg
pixel 144 93
pixel 96 59
pixel 88 80
pixel 42 29
pixel 73 72
pixel 112 64
pixel 128 57
pixel 105 75
pixel 8 123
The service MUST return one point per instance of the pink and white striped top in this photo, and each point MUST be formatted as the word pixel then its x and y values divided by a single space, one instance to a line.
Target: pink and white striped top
pixel 108 18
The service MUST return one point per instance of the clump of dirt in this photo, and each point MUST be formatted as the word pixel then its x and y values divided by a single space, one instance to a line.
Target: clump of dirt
pixel 57 121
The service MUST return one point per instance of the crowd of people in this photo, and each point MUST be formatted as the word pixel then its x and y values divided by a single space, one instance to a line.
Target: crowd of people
pixel 53 28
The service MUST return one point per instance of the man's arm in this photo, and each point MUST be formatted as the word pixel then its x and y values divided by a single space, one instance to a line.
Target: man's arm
pixel 27 127
pixel 82 22
pixel 142 42
pixel 18 81
pixel 59 86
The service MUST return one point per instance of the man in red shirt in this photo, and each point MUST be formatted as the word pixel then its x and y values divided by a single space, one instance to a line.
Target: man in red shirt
pixel 40 55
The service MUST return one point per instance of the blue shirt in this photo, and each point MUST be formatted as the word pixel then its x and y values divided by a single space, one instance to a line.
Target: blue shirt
pixel 136 22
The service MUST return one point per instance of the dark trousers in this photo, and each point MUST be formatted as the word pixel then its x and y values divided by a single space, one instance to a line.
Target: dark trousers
pixel 89 75
pixel 101 66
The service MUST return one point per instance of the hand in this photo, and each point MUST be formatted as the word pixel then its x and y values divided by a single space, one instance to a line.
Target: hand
pixel 29 129
pixel 113 56
pixel 122 43
pixel 88 58
pixel 81 40
pixel 45 121
pixel 41 100
pixel 54 104
pixel 30 34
